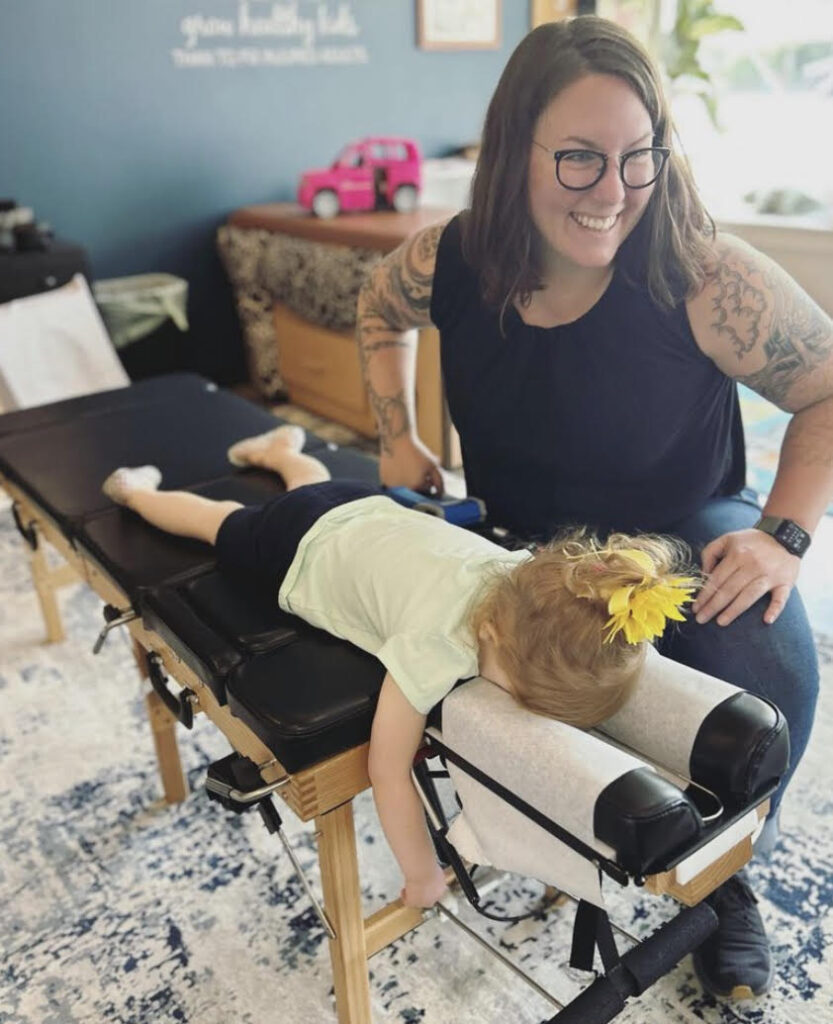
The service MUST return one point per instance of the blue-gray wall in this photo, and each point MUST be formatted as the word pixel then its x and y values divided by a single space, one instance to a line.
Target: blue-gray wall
pixel 139 160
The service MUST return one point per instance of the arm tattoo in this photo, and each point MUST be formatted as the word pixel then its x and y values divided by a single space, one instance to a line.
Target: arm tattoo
pixel 738 303
pixel 391 411
pixel 394 301
pixel 762 312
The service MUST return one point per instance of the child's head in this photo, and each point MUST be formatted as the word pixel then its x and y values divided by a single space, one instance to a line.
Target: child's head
pixel 570 625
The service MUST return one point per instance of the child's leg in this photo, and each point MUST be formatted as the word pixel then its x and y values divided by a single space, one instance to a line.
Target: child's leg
pixel 279 450
pixel 178 512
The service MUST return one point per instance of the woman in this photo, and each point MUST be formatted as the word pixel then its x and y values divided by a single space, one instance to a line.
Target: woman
pixel 593 326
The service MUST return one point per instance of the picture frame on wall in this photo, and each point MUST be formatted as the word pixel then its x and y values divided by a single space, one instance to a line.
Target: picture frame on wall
pixel 541 11
pixel 458 24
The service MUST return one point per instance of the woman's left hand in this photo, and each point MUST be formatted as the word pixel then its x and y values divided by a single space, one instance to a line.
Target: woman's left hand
pixel 742 567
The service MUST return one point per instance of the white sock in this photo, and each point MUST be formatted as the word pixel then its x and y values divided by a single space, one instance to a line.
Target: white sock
pixel 125 479
pixel 291 434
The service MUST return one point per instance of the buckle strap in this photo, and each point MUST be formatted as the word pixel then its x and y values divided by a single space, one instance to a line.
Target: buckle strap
pixel 592 930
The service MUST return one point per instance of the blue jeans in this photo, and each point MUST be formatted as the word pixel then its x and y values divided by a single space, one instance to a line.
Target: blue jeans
pixel 778 661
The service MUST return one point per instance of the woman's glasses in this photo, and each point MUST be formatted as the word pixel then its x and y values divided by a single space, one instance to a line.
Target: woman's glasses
pixel 580 169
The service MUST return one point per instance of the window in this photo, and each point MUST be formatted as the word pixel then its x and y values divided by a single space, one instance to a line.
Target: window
pixel 774 85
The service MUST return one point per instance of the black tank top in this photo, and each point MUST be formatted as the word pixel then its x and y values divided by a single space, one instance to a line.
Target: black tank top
pixel 617 420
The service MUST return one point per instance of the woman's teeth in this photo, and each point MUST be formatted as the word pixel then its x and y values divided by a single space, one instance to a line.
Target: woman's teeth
pixel 594 223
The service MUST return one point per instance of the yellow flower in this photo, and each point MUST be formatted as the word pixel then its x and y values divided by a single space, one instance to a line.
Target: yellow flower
pixel 641 610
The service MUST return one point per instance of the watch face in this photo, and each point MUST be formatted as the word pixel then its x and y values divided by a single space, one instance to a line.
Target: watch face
pixel 792 537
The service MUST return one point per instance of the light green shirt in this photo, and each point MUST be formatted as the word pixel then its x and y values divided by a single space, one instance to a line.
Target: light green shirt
pixel 400 585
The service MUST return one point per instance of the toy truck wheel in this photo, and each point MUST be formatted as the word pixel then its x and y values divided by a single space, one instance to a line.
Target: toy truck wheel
pixel 405 199
pixel 325 204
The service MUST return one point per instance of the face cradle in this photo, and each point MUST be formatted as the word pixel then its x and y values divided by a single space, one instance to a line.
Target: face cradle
pixel 585 229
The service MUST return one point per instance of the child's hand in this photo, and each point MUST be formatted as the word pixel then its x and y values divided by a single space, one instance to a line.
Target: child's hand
pixel 424 892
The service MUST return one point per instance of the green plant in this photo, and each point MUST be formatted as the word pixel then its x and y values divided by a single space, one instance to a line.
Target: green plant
pixel 679 49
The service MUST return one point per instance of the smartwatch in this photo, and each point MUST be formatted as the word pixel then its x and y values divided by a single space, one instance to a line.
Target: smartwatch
pixel 788 534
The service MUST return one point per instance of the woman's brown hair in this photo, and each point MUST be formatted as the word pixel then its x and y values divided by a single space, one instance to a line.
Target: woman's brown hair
pixel 548 617
pixel 667 250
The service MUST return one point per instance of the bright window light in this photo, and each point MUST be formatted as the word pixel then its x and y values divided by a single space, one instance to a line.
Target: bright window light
pixel 773 159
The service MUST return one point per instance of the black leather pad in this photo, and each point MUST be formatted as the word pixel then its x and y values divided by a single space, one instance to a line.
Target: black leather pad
pixel 253 624
pixel 646 819
pixel 308 699
pixel 64 464
pixel 176 387
pixel 213 625
pixel 137 556
pixel 346 463
pixel 208 654
pixel 742 748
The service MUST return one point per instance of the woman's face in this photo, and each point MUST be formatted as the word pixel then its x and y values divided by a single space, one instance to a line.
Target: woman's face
pixel 585 229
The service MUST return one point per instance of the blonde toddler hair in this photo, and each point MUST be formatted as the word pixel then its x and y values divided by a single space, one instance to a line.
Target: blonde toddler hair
pixel 551 621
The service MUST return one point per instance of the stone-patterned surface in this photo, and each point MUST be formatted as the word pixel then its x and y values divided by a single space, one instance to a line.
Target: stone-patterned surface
pixel 318 282
pixel 116 908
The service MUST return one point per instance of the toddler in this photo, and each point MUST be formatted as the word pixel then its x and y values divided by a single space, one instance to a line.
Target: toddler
pixel 563 630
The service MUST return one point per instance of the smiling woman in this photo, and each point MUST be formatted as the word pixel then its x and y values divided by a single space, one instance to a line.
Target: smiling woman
pixel 583 223
pixel 593 326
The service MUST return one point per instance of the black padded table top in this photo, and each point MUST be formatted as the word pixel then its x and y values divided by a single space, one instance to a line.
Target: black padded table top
pixel 178 386
pixel 187 436
pixel 214 626
pixel 138 556
pixel 183 424
pixel 308 699
pixel 305 694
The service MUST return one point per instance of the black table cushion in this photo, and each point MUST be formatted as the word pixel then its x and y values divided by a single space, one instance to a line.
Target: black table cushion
pixel 309 699
pixel 168 613
pixel 62 465
pixel 213 625
pixel 253 623
pixel 176 386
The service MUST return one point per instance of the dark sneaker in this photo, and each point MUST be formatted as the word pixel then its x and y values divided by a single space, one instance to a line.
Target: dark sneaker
pixel 735 962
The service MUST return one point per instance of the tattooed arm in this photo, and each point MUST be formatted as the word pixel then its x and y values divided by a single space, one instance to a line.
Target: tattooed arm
pixel 759 327
pixel 395 299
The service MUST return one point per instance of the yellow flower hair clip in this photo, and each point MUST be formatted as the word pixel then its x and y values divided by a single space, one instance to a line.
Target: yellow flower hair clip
pixel 641 609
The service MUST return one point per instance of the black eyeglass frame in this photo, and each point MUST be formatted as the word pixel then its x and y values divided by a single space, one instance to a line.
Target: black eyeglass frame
pixel 559 154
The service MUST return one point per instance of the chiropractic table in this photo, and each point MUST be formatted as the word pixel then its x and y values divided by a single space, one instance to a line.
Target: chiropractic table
pixel 668 794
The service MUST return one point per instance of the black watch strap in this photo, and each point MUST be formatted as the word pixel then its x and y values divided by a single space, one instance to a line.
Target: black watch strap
pixel 788 534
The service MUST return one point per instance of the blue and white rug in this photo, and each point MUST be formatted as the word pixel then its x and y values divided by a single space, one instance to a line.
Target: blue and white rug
pixel 116 909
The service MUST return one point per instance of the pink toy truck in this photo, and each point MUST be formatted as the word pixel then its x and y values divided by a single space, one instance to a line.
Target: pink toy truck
pixel 378 171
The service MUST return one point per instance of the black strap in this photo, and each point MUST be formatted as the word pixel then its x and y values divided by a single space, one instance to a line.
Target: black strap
pixel 591 930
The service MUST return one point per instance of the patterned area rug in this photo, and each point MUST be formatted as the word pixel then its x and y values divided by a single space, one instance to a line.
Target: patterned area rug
pixel 117 908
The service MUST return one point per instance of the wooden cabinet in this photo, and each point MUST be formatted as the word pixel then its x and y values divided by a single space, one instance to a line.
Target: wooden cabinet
pixel 320 366
pixel 322 371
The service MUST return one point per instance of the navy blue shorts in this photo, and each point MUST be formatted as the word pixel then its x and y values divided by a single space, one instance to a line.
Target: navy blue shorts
pixel 256 544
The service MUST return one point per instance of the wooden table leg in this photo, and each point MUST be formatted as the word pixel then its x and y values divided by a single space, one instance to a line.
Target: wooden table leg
pixel 45 589
pixel 163 727
pixel 342 901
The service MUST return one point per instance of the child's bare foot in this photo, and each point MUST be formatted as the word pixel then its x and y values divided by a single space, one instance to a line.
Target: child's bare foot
pixel 122 481
pixel 250 450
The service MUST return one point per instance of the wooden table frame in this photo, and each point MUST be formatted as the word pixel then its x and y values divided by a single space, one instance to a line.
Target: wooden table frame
pixel 322 793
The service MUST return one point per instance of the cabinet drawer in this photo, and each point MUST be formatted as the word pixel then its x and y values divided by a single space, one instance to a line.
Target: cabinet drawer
pixel 322 371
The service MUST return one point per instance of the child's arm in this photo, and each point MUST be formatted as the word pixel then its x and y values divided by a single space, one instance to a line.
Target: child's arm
pixel 395 738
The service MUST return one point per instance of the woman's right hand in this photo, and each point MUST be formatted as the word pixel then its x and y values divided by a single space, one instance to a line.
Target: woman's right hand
pixel 409 463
